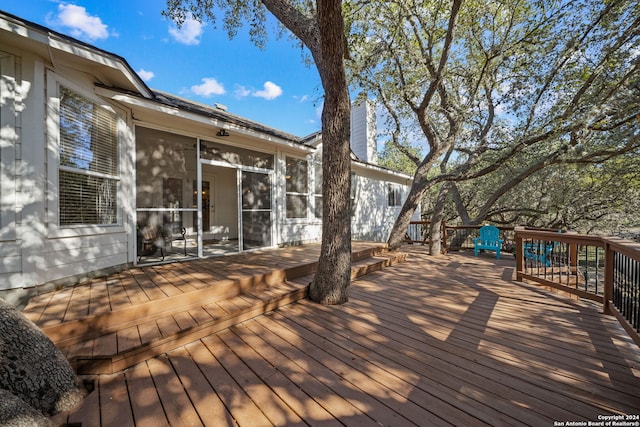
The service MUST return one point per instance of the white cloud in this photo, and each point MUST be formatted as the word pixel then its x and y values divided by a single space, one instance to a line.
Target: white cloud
pixel 80 23
pixel 189 33
pixel 146 75
pixel 270 91
pixel 241 91
pixel 209 86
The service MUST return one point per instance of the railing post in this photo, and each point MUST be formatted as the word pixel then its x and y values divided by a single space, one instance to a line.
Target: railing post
pixel 519 248
pixel 608 277
pixel 444 237
pixel 573 256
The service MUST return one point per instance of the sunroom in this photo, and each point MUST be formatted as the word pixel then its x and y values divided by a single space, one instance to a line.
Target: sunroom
pixel 205 186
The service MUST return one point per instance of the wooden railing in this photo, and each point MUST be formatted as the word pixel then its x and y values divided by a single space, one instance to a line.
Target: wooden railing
pixel 454 237
pixel 602 269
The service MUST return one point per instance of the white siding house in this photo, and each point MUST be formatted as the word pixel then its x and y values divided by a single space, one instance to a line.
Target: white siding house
pixel 99 172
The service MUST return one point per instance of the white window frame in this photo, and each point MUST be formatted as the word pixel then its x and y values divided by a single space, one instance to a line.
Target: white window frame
pixel 353 193
pixel 8 202
pixel 394 191
pixel 54 82
pixel 291 193
pixel 316 193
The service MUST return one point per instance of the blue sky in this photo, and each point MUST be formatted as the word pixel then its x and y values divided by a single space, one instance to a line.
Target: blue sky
pixel 272 86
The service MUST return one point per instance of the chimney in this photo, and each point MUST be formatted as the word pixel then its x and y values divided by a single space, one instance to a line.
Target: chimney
pixel 363 131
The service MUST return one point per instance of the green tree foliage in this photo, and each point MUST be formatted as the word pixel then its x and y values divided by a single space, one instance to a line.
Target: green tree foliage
pixel 393 158
pixel 498 91
pixel 603 198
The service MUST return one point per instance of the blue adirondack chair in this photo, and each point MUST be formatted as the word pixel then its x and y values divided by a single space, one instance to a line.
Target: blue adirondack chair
pixel 489 240
pixel 539 252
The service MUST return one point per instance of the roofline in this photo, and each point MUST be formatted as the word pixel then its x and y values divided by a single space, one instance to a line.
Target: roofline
pixel 379 168
pixel 65 43
pixel 209 116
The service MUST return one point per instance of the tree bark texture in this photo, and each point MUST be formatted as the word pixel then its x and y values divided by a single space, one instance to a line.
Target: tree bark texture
pixel 435 228
pixel 15 412
pixel 332 280
pixel 31 367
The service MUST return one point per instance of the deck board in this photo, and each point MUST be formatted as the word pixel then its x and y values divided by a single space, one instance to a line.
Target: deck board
pixel 99 299
pixel 146 406
pixel 79 303
pixel 151 288
pixel 539 356
pixel 345 400
pixel 88 413
pixel 115 407
pixel 265 361
pixel 175 401
pixel 127 291
pixel 231 358
pixel 241 407
pixel 56 307
pixel 450 370
pixel 391 386
pixel 434 341
pixel 206 401
pixel 290 361
pixel 128 338
pixel 149 331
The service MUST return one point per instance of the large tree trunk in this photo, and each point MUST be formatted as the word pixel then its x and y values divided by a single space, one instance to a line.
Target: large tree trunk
pixel 404 218
pixel 435 232
pixel 419 186
pixel 34 375
pixel 331 282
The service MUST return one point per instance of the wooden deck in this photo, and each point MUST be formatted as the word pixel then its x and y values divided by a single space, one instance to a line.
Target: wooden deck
pixel 432 341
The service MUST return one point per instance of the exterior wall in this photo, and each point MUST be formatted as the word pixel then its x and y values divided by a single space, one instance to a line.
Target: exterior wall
pixel 372 217
pixel 79 250
pixel 10 151
pixel 35 249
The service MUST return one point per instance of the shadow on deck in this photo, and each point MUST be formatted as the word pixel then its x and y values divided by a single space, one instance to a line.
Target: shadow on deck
pixel 450 340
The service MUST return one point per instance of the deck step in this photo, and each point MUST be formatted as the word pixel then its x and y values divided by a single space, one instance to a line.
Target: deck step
pixel 82 328
pixel 105 351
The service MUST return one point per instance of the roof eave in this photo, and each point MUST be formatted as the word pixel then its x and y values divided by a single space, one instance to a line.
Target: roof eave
pixel 60 44
pixel 214 121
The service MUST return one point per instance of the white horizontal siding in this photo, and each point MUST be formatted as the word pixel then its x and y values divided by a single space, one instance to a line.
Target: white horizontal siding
pixel 10 258
pixel 372 219
pixel 295 232
pixel 84 250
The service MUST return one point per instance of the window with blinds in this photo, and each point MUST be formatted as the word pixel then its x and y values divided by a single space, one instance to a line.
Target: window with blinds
pixel 88 174
pixel 393 195
pixel 297 188
pixel 317 208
